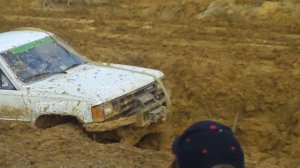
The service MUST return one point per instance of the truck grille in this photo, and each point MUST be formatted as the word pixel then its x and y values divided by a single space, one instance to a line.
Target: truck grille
pixel 129 104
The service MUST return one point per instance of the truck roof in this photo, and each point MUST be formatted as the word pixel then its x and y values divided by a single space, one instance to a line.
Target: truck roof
pixel 12 39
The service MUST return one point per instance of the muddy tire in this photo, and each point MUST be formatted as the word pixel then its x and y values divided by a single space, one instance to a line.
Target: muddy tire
pixel 147 138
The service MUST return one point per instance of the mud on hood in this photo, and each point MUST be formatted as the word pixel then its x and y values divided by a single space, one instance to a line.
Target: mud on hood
pixel 96 83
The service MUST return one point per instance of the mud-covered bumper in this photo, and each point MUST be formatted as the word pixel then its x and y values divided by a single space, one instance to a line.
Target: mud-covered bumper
pixel 139 108
pixel 142 118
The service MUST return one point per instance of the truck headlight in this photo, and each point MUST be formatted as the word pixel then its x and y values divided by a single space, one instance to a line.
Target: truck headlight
pixel 100 112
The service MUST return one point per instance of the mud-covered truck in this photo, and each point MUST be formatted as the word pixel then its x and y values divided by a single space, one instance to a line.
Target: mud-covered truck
pixel 42 78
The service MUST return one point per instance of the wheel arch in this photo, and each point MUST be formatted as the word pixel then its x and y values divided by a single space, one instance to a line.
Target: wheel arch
pixel 49 120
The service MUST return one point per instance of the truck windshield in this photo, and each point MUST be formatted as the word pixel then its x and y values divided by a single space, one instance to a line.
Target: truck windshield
pixel 40 59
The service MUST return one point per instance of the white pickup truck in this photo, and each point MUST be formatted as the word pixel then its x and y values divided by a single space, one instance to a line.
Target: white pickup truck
pixel 42 78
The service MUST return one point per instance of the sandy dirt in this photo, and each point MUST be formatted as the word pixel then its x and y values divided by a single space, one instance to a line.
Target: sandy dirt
pixel 234 61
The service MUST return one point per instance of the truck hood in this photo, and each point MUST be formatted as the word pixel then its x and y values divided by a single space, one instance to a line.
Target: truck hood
pixel 96 83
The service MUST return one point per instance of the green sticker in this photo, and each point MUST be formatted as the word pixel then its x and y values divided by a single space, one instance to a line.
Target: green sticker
pixel 29 46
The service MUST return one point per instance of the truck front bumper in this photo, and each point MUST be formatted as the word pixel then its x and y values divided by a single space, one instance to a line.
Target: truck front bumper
pixel 142 118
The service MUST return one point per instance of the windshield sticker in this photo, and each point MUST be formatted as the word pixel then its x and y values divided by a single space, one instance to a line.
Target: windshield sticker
pixel 35 44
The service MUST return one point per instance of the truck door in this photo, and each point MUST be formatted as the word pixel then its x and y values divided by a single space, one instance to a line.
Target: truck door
pixel 12 106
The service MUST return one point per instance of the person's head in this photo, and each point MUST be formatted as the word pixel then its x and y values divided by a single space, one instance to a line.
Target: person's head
pixel 208 144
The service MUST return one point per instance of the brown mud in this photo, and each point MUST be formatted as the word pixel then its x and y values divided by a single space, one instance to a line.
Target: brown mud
pixel 234 61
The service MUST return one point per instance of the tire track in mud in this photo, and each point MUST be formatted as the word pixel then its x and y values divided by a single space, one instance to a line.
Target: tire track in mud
pixel 90 26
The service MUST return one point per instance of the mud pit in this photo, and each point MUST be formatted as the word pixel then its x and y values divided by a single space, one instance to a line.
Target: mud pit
pixel 224 60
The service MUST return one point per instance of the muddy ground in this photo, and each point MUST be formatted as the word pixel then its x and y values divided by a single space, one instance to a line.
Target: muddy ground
pixel 226 60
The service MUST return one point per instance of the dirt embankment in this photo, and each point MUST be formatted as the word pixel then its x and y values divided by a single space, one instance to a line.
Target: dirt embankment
pixel 232 61
pixel 67 146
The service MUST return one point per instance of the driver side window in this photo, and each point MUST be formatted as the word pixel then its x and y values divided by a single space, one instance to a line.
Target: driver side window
pixel 5 84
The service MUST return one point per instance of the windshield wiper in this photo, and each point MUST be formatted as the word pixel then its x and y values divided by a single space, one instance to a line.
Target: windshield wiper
pixel 43 74
pixel 73 65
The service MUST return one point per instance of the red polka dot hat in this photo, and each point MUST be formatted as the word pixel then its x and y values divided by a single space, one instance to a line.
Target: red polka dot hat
pixel 207 144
